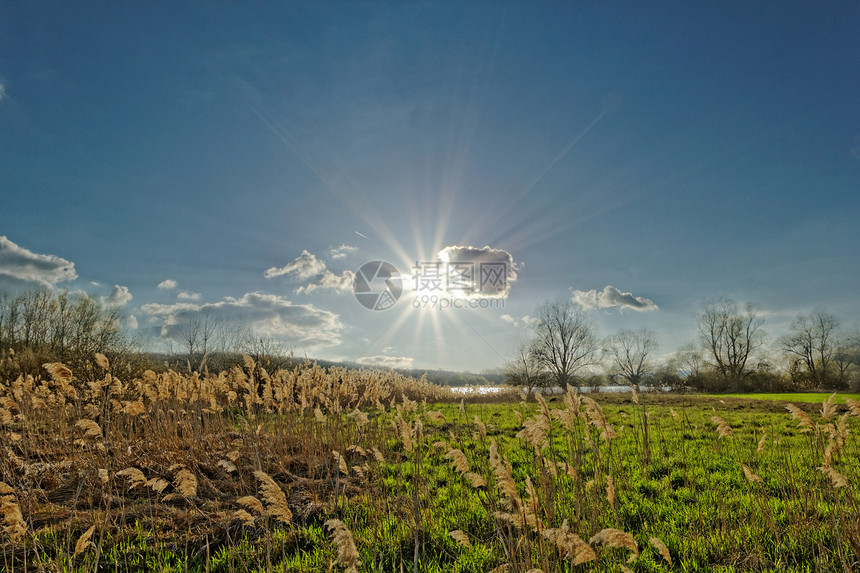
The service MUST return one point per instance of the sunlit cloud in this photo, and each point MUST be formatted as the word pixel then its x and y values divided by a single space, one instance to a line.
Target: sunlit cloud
pixel 185 295
pixel 119 296
pixel 23 267
pixel 131 322
pixel 611 297
pixel 304 266
pixel 330 281
pixel 342 251
pixel 268 315
pixel 308 266
pixel 469 272
pixel 167 284
pixel 381 361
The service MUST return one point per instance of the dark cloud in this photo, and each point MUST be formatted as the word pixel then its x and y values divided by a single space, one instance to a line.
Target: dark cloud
pixel 20 266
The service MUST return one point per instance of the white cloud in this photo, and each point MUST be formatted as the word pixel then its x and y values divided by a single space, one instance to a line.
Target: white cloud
pixel 522 321
pixel 2 91
pixel 471 272
pixel 185 295
pixel 380 361
pixel 131 322
pixel 269 315
pixel 22 267
pixel 342 251
pixel 119 296
pixel 167 284
pixel 611 297
pixel 330 281
pixel 304 266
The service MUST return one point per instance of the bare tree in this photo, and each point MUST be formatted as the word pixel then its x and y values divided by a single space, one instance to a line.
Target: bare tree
pixel 629 355
pixel 813 342
pixel 847 360
pixel 196 331
pixel 525 370
pixel 566 339
pixel 730 336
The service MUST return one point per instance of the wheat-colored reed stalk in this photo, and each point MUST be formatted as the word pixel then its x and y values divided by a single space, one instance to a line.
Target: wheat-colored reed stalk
pixel 458 458
pixel 661 549
pixel 504 481
pixel 186 483
pixel 274 497
pixel 84 541
pixel 14 525
pixel 482 428
pixel 837 479
pixel 341 463
pixel 723 428
pixel 570 545
pixel 157 484
pixel 804 421
pixel 251 502
pixel 347 553
pixel 134 475
pixel 828 408
pixel 616 538
pixel 91 428
pixel 751 477
pixel 246 518
pixel 460 537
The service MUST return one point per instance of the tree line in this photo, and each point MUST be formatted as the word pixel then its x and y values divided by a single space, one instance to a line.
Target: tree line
pixel 731 353
pixel 43 326
pixel 40 326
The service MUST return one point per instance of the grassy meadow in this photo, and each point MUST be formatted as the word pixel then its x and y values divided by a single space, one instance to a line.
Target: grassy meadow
pixel 311 469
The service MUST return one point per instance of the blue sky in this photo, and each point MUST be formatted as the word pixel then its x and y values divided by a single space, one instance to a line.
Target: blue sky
pixel 168 156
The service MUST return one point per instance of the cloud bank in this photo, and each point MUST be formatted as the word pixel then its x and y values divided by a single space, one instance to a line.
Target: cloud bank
pixel 267 315
pixel 23 268
pixel 386 362
pixel 611 297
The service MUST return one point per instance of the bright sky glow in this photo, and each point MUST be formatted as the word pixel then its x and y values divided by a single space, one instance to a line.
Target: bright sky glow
pixel 247 159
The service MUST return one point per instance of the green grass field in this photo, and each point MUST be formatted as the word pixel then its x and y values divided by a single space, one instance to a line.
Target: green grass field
pixel 310 470
pixel 809 397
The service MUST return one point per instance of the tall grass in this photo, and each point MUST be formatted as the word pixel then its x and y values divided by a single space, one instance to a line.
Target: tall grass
pixel 309 469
